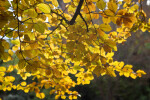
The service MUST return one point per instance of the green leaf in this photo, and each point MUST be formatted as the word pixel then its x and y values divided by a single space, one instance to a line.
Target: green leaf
pixel 44 8
pixel 101 4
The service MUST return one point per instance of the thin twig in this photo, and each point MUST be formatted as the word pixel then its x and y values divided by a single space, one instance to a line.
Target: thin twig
pixel 84 22
pixel 54 29
pixel 19 33
pixel 76 13
pixel 8 32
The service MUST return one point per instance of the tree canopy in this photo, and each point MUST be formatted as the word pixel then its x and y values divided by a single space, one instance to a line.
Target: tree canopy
pixel 54 44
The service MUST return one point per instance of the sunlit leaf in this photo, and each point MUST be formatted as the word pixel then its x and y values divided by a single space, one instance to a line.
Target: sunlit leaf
pixel 44 7
pixel 40 95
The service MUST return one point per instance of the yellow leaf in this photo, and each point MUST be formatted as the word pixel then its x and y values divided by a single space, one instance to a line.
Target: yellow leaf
pixel 14 48
pixel 16 41
pixel 44 7
pixel 101 4
pixel 4 56
pixel 102 34
pixel 126 74
pixel 14 87
pixel 91 7
pixel 49 72
pixel 106 20
pixel 121 64
pixel 128 66
pixel 23 83
pixel 63 97
pixel 140 72
pixel 9 88
pixel 74 97
pixel 128 1
pixel 2 74
pixel 113 19
pixel 55 3
pixel 30 13
pixel 103 59
pixel 5 44
pixel 9 78
pixel 97 70
pixel 112 6
pixel 120 2
pixel 26 90
pixel 42 37
pixel 34 45
pixel 28 53
pixel 134 8
pixel 95 16
pixel 132 75
pixel 70 97
pixel 105 27
pixel 67 1
pixel 111 44
pixel 21 64
pixel 2 69
pixel 10 52
pixel 10 68
pixel 57 97
pixel 108 13
pixel 40 26
pixel 40 95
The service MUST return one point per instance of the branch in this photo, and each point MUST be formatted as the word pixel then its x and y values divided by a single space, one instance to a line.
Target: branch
pixel 19 30
pixel 76 13
pixel 54 29
pixel 61 17
pixel 72 21
pixel 84 21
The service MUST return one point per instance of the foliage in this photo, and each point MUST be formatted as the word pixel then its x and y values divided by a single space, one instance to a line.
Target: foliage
pixel 68 43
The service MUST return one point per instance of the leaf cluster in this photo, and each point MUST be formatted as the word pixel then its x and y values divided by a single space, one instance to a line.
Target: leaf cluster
pixel 51 44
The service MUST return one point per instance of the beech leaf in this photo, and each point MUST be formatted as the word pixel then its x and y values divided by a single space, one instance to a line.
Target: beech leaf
pixel 44 8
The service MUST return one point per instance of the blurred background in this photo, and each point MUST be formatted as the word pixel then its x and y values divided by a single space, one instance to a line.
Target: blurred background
pixel 136 51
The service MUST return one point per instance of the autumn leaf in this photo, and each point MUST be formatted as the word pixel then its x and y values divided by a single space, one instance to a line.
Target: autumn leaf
pixel 40 95
pixel 23 83
pixel 30 13
pixel 44 8
pixel 2 69
pixel 105 27
pixel 67 1
pixel 112 6
pixel 41 42
pixel 40 26
pixel 101 4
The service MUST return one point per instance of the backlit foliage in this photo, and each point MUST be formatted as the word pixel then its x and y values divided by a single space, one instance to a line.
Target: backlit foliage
pixel 52 45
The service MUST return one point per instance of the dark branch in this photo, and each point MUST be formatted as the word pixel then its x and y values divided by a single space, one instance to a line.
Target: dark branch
pixel 76 13
pixel 84 21
pixel 72 21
